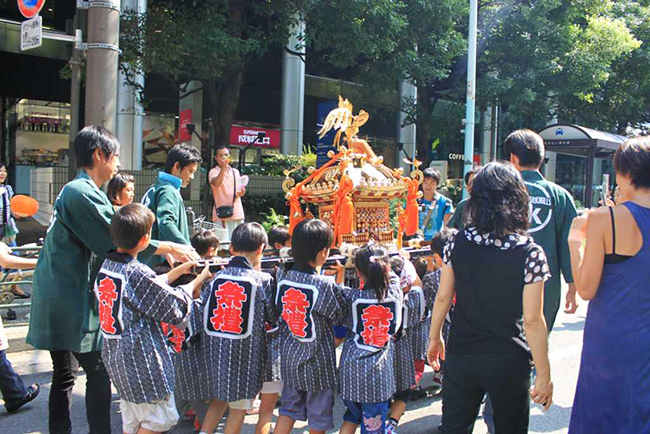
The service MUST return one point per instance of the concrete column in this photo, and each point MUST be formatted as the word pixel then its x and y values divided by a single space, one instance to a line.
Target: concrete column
pixel 129 110
pixel 191 98
pixel 406 135
pixel 101 63
pixel 292 106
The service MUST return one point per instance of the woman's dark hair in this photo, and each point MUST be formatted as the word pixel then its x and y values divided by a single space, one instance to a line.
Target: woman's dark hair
pixel 91 138
pixel 432 173
pixel 183 154
pixel 279 234
pixel 2 164
pixel 372 263
pixel 248 237
pixel 498 201
pixel 527 145
pixel 129 224
pixel 440 239
pixel 310 237
pixel 632 159
pixel 203 240
pixel 117 184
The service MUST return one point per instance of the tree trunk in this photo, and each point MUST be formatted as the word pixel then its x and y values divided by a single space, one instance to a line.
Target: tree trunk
pixel 224 95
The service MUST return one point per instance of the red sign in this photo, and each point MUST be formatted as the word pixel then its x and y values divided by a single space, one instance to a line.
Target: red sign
pixel 185 118
pixel 244 136
pixel 30 8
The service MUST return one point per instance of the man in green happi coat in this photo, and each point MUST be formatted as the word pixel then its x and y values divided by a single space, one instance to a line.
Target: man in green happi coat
pixel 64 314
pixel 551 212
pixel 165 201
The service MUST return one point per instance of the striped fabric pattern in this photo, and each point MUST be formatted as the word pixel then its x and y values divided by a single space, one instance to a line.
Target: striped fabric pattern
pixel 311 366
pixel 139 363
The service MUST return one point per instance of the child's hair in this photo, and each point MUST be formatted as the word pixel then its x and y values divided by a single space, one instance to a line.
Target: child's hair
pixel 117 184
pixel 129 224
pixel 248 237
pixel 421 266
pixel 310 237
pixel 279 234
pixel 397 264
pixel 372 263
pixel 203 240
pixel 440 239
pixel 431 173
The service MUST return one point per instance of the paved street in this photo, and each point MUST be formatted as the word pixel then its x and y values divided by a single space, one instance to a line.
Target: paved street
pixel 422 416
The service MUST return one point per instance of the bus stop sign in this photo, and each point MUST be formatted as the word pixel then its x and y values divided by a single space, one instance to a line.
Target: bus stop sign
pixel 30 8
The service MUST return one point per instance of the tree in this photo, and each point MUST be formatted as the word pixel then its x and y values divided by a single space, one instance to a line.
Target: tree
pixel 213 41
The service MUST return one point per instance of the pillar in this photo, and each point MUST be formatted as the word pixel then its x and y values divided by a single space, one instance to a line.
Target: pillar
pixel 292 106
pixel 101 63
pixel 129 110
pixel 406 135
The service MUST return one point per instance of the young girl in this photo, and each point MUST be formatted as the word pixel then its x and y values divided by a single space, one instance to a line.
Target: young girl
pixel 366 373
pixel 121 189
pixel 8 228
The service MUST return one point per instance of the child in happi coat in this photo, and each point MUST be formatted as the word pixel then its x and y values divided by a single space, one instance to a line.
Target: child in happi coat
pixel 310 305
pixel 236 306
pixel 279 238
pixel 430 285
pixel 367 366
pixel 186 345
pixel 405 375
pixel 132 303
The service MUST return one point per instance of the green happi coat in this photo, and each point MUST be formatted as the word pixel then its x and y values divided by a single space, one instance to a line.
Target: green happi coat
pixel 551 213
pixel 64 313
pixel 165 200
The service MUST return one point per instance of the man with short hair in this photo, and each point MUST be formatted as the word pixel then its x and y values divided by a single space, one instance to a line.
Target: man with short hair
pixel 164 197
pixel 551 212
pixel 459 219
pixel 227 191
pixel 64 317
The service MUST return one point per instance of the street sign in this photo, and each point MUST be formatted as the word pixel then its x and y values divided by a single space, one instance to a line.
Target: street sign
pixel 31 33
pixel 30 8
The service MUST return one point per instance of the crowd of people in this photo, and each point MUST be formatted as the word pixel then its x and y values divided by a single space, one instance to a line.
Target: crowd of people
pixel 118 290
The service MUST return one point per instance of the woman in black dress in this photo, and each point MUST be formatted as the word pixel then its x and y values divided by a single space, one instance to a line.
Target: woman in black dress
pixel 497 273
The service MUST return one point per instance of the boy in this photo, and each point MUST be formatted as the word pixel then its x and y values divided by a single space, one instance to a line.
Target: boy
pixel 236 306
pixel 132 303
pixel 279 237
pixel 206 244
pixel 435 209
pixel 311 305
pixel 164 198
pixel 430 285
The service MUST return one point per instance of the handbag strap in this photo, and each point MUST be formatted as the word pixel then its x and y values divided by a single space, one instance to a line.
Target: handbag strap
pixel 234 187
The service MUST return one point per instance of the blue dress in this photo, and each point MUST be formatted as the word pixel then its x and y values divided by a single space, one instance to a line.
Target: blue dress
pixel 613 393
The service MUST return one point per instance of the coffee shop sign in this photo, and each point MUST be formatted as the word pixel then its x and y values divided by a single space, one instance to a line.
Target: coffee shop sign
pixel 455 157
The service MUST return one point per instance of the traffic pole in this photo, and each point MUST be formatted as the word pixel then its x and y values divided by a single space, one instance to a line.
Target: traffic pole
pixel 471 91
pixel 102 53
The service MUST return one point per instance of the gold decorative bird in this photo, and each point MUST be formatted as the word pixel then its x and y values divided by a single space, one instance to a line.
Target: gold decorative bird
pixel 344 121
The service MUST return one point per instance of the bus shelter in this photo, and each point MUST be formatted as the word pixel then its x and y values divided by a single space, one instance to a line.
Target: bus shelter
pixel 584 155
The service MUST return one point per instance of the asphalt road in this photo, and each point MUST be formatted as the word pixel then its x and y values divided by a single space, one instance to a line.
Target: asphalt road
pixel 421 417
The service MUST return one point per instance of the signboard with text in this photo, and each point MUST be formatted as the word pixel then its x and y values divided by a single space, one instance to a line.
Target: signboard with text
pixel 31 33
pixel 244 136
